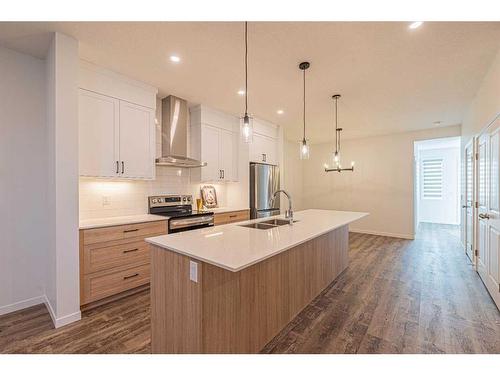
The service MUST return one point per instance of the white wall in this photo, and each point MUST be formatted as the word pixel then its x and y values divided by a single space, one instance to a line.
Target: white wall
pixel 444 210
pixel 62 147
pixel 23 181
pixel 293 174
pixel 382 183
pixel 486 104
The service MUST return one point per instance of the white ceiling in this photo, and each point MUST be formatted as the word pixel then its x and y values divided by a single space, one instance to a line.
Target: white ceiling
pixel 391 78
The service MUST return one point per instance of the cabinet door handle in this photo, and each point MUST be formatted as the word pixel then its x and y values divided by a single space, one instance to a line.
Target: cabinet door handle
pixel 129 277
pixel 117 167
pixel 223 174
pixel 130 251
pixel 123 167
pixel 131 230
pixel 232 216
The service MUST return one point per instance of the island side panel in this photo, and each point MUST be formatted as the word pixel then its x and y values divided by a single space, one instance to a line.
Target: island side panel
pixel 175 304
pixel 243 311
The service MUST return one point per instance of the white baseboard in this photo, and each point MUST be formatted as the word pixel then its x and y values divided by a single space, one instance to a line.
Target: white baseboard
pixel 22 305
pixel 62 321
pixel 58 322
pixel 385 234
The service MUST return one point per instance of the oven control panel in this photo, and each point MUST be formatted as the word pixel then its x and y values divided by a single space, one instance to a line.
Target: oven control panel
pixel 170 200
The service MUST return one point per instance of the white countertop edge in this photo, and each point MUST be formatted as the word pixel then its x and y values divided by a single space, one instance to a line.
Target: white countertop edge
pixel 222 210
pixel 232 269
pixel 119 220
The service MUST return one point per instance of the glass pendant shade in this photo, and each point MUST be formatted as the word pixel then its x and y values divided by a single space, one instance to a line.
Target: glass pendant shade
pixel 304 150
pixel 246 128
pixel 336 159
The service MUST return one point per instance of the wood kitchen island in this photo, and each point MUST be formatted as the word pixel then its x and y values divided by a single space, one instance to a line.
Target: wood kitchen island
pixel 231 289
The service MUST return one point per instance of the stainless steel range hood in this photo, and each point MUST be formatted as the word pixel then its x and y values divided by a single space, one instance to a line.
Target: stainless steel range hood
pixel 174 135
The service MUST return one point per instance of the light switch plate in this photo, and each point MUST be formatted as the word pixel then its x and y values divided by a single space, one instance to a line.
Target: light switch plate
pixel 193 271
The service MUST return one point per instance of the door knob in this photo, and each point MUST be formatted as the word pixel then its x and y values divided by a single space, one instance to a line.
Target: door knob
pixel 484 216
pixel 465 206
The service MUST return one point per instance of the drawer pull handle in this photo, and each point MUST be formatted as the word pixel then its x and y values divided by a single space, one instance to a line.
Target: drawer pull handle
pixel 131 230
pixel 129 251
pixel 232 216
pixel 129 277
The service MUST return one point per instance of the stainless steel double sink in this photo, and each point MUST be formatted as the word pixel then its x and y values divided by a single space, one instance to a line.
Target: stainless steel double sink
pixel 267 224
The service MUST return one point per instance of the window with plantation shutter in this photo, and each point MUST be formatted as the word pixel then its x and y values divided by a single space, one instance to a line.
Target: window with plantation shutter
pixel 432 178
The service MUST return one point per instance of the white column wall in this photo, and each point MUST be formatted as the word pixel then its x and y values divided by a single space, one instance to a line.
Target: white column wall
pixel 62 142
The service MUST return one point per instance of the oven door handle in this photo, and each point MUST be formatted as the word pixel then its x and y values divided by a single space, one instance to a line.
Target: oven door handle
pixel 193 221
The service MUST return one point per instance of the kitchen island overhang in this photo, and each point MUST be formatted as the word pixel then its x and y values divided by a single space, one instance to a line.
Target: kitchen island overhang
pixel 231 289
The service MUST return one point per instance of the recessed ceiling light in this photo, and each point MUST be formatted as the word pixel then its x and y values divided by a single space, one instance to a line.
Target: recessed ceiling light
pixel 241 92
pixel 175 59
pixel 280 111
pixel 415 25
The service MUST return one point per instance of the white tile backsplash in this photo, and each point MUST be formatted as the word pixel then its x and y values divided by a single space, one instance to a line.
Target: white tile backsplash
pixel 130 197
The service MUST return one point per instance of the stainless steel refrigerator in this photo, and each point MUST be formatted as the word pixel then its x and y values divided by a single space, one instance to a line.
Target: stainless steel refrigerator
pixel 264 182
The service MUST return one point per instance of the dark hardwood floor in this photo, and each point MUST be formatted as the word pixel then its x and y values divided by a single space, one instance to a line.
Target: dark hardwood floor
pixel 397 296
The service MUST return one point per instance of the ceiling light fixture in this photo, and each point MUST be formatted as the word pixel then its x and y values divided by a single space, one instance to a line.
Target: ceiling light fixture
pixel 280 111
pixel 175 59
pixel 304 147
pixel 246 122
pixel 437 123
pixel 337 167
pixel 241 92
pixel 415 25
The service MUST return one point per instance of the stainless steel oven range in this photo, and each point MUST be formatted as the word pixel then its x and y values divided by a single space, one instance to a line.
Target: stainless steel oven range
pixel 178 209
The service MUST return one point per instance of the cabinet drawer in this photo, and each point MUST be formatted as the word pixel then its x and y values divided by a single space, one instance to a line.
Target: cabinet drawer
pixel 231 217
pixel 104 258
pixel 119 232
pixel 100 285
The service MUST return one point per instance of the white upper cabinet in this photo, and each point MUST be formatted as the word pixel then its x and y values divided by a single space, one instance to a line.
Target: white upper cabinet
pixel 264 148
pixel 214 140
pixel 137 141
pixel 98 134
pixel 116 125
pixel 210 153
pixel 228 155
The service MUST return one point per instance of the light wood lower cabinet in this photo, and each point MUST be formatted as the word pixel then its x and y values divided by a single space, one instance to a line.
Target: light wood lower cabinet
pixel 100 285
pixel 238 312
pixel 115 259
pixel 231 217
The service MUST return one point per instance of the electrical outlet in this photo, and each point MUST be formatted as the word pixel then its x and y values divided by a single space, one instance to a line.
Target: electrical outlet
pixel 193 271
pixel 106 200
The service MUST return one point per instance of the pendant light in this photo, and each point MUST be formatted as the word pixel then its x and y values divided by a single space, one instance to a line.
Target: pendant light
pixel 337 167
pixel 246 122
pixel 304 147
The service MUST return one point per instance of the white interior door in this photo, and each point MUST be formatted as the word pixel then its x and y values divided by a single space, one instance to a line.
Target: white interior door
pixel 489 209
pixel 468 204
pixel 98 131
pixel 137 141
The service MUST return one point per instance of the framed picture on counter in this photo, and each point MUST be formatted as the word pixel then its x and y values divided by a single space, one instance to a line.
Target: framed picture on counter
pixel 209 196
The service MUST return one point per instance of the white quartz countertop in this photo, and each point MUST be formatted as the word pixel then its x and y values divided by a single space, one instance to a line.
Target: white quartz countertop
pixel 234 247
pixel 220 210
pixel 119 220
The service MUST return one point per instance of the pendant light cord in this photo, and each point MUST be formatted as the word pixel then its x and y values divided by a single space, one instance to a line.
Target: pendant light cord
pixel 246 68
pixel 304 113
pixel 336 129
pixel 337 133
